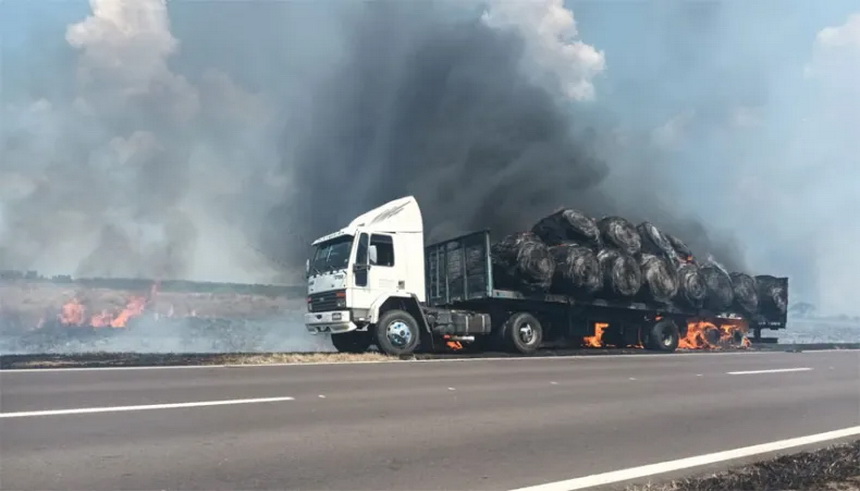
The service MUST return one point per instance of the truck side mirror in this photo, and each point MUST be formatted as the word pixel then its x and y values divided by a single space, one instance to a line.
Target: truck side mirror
pixel 307 268
pixel 371 254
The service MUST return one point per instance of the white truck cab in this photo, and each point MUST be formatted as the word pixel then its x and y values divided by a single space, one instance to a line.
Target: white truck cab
pixel 371 267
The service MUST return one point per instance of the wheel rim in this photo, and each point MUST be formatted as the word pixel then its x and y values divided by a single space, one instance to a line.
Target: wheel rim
pixel 399 334
pixel 666 339
pixel 527 333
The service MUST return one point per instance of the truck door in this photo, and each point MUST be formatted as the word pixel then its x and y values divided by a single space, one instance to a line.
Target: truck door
pixel 383 271
pixel 376 273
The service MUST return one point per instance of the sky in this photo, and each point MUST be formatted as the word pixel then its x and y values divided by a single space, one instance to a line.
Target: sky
pixel 214 140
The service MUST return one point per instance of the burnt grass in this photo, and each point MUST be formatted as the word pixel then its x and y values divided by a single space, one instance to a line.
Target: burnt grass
pixel 836 467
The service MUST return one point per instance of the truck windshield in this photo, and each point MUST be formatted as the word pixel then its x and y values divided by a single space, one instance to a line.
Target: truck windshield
pixel 331 255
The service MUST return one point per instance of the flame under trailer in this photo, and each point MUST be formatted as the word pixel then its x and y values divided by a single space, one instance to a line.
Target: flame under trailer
pixel 375 283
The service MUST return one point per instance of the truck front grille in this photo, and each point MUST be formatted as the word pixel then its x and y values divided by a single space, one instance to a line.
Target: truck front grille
pixel 327 301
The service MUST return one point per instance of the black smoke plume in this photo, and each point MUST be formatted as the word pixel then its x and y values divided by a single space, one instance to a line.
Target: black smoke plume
pixel 446 110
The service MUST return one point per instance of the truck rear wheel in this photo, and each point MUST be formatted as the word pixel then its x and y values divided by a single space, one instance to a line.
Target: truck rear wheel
pixel 397 333
pixel 663 336
pixel 523 333
pixel 351 342
pixel 713 335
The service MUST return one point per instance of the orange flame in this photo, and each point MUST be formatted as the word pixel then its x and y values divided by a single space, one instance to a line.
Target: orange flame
pixel 595 341
pixel 454 345
pixel 707 335
pixel 74 313
pixel 133 308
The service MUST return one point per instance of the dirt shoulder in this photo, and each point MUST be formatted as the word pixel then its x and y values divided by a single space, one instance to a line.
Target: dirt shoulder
pixel 834 468
pixel 104 360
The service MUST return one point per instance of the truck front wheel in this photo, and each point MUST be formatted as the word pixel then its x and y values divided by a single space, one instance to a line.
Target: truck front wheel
pixel 351 342
pixel 523 333
pixel 663 336
pixel 397 333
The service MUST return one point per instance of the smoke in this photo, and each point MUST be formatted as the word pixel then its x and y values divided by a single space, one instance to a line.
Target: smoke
pixel 488 120
pixel 137 170
pixel 552 57
pixel 142 140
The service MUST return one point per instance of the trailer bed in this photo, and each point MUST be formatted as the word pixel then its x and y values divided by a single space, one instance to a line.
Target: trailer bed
pixel 459 272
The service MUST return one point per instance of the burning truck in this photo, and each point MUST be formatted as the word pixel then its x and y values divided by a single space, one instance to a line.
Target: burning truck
pixel 570 281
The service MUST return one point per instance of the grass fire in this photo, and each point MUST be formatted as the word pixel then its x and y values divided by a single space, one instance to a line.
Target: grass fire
pixel 76 314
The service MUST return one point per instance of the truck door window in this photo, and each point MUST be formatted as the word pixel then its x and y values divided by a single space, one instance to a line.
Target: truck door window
pixel 361 258
pixel 361 250
pixel 384 249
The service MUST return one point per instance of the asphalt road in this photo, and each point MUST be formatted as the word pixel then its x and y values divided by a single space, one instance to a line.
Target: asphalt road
pixel 473 424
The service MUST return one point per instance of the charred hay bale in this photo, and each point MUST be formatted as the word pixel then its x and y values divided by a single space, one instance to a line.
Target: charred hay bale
pixel 684 253
pixel 772 294
pixel 523 261
pixel 568 225
pixel 654 241
pixel 621 234
pixel 621 274
pixel 744 290
pixel 576 269
pixel 691 286
pixel 659 278
pixel 719 286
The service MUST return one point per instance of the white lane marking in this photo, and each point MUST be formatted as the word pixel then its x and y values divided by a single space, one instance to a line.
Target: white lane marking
pixel 112 409
pixel 686 463
pixel 642 356
pixel 451 388
pixel 775 370
pixel 632 378
pixel 553 383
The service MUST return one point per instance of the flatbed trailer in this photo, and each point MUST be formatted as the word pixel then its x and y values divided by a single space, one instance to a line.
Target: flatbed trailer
pixel 375 282
pixel 460 277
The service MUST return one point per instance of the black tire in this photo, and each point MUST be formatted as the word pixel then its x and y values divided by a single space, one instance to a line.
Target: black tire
pixel 523 333
pixel 737 337
pixel 352 342
pixel 397 333
pixel 713 335
pixel 664 336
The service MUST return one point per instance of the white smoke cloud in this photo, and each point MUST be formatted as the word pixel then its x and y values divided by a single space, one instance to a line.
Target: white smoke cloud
pixel 671 134
pixel 840 45
pixel 141 170
pixel 798 173
pixel 124 49
pixel 835 74
pixel 553 55
pixel 835 70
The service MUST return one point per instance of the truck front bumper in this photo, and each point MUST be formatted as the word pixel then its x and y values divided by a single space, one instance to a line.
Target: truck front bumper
pixel 329 322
